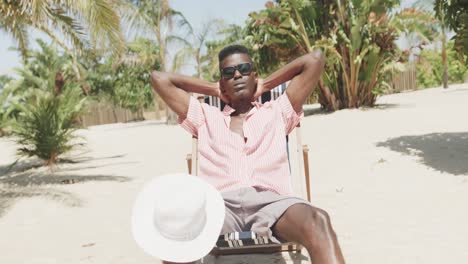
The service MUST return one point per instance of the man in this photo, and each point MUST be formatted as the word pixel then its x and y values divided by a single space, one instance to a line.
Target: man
pixel 242 148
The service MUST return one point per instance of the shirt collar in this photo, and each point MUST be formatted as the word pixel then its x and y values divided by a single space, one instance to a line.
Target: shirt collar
pixel 228 110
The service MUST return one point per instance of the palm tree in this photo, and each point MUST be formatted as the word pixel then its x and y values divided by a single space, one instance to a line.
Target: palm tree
pixel 46 125
pixel 444 49
pixel 418 26
pixel 44 104
pixel 71 18
pixel 455 15
pixel 194 46
pixel 155 18
pixel 439 12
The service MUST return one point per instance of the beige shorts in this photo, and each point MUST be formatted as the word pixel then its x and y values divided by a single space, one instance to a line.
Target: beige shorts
pixel 253 209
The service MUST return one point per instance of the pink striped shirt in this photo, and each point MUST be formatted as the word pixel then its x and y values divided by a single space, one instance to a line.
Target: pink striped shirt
pixel 227 161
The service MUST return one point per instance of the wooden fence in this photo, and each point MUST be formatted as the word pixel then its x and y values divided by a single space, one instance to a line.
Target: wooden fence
pixel 406 80
pixel 105 113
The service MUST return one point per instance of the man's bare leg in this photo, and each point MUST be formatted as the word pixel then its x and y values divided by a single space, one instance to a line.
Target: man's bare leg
pixel 310 227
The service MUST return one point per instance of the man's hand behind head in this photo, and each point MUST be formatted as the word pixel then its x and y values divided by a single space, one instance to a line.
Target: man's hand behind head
pixel 260 89
pixel 221 94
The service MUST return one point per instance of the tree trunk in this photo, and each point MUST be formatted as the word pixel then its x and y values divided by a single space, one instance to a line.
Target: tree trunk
pixel 444 59
pixel 59 83
pixel 326 98
pixel 171 117
pixel 85 89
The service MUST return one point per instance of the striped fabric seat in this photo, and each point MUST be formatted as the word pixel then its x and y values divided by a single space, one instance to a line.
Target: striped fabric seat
pixel 241 239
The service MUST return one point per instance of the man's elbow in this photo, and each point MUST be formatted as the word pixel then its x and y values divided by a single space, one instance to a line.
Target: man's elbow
pixel 316 59
pixel 158 80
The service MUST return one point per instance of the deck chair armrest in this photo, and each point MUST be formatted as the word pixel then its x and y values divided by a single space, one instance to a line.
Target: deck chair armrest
pixel 192 158
pixel 305 154
pixel 189 163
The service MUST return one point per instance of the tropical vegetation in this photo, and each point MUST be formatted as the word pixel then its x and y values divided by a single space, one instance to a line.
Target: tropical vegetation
pixel 45 126
pixel 123 81
pixel 358 38
pixel 85 24
pixel 104 51
pixel 455 14
pixel 156 18
pixel 43 105
pixel 429 67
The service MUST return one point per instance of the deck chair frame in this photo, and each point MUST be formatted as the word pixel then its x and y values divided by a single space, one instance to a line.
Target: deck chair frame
pixel 300 181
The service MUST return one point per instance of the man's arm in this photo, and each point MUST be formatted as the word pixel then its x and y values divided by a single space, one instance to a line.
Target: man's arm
pixel 174 90
pixel 304 73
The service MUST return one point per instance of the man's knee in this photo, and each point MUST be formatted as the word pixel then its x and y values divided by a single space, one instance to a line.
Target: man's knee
pixel 319 218
pixel 317 227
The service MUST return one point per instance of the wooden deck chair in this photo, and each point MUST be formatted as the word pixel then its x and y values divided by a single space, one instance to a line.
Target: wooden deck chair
pixel 248 242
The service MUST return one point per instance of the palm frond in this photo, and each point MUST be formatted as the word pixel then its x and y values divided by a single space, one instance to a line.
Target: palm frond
pixel 185 42
pixel 19 32
pixel 39 10
pixel 180 58
pixel 104 20
pixel 182 22
pixel 56 39
pixel 136 20
pixel 71 18
pixel 70 28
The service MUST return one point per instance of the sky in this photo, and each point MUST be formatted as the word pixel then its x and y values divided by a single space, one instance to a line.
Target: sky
pixel 197 12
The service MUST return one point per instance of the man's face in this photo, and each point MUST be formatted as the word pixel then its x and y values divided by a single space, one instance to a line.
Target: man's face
pixel 240 87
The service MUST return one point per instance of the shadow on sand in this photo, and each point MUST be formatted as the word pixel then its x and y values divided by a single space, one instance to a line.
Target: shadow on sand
pixel 383 106
pixel 317 110
pixel 28 164
pixel 445 152
pixel 29 179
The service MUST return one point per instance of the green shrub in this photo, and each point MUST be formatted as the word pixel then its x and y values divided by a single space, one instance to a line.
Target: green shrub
pixel 132 89
pixel 6 107
pixel 46 124
pixel 429 67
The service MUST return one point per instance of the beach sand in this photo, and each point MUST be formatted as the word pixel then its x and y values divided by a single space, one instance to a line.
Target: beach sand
pixel 393 178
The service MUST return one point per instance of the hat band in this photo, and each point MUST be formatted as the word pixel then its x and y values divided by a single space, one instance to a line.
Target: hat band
pixel 198 224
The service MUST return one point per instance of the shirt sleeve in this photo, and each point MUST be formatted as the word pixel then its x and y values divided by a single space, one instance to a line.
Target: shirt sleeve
pixel 195 117
pixel 290 117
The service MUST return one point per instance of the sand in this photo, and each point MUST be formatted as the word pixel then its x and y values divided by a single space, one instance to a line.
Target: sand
pixel 393 178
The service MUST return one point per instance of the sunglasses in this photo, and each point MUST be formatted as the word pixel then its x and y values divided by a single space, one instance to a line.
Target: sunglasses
pixel 243 68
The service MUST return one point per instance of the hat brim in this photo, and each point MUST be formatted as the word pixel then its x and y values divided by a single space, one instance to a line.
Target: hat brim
pixel 155 244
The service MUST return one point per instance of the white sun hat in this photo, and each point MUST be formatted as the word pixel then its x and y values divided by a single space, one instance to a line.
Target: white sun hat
pixel 177 218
